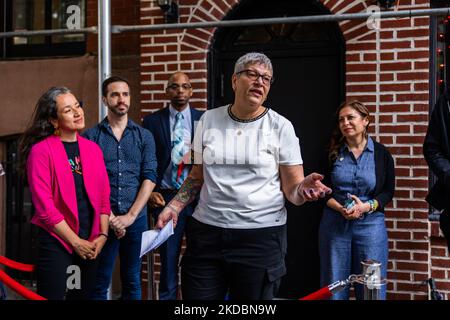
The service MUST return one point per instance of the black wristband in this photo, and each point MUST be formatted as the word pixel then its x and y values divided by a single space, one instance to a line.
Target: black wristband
pixel 104 234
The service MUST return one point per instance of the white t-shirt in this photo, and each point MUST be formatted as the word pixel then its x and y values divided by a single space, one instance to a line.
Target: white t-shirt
pixel 241 161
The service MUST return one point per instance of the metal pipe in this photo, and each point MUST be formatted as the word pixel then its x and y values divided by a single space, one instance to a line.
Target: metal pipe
pixel 239 23
pixel 104 51
pixel 301 19
pixel 47 32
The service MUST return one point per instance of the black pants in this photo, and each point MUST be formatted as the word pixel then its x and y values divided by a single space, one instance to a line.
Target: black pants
pixel 243 263
pixel 444 224
pixel 57 271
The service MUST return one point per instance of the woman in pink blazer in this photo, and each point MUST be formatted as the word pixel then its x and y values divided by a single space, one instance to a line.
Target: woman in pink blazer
pixel 70 192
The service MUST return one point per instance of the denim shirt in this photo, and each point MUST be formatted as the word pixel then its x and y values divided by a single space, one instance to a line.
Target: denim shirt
pixel 354 176
pixel 129 162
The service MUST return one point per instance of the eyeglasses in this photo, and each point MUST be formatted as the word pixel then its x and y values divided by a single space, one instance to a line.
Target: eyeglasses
pixel 175 86
pixel 253 75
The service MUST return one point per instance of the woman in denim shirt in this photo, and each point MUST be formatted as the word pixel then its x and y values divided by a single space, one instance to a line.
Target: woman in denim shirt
pixel 363 170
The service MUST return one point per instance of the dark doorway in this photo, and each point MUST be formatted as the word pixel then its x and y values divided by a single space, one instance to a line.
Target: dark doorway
pixel 308 61
pixel 20 233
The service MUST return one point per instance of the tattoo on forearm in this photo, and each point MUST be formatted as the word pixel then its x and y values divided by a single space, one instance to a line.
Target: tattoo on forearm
pixel 185 195
pixel 188 190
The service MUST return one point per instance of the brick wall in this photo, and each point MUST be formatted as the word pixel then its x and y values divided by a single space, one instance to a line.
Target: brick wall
pixel 393 71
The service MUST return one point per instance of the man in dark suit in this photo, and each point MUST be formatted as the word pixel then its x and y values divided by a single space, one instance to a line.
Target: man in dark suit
pixel 173 130
pixel 436 149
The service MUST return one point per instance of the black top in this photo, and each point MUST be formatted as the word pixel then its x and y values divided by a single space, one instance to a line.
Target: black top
pixel 85 209
pixel 384 174
pixel 436 149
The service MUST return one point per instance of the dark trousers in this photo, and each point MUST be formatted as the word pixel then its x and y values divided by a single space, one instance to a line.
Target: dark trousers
pixel 241 263
pixel 444 224
pixel 58 272
pixel 169 251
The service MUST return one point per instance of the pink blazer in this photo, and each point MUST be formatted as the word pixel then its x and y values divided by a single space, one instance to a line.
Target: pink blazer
pixel 52 185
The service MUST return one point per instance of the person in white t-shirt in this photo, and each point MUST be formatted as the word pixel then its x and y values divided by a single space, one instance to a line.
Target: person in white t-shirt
pixel 246 160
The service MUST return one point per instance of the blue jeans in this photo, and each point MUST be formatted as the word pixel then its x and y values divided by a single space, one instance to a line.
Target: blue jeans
pixel 2 292
pixel 343 244
pixel 169 251
pixel 128 248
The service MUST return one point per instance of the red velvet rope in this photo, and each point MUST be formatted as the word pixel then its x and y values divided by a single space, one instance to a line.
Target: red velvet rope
pixel 318 295
pixel 17 287
pixel 16 265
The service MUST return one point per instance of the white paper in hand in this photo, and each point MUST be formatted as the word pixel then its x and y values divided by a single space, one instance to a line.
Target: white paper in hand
pixel 152 239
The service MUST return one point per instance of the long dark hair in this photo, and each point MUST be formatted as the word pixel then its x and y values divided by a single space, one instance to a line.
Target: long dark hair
pixel 40 126
pixel 337 139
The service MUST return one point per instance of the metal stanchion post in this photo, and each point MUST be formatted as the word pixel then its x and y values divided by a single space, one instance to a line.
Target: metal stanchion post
pixel 371 279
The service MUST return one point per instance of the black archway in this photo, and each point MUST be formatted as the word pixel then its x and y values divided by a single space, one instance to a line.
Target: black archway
pixel 308 62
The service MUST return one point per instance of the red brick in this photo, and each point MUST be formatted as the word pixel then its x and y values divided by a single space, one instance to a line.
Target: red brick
pixel 412 183
pixel 395 87
pixel 412 55
pixel 420 235
pixel 413 33
pixel 402 172
pixel 410 139
pixel 386 98
pixel 361 67
pixel 398 296
pixel 361 77
pixel 421 65
pixel 413 287
pixel 387 77
pixel 443 263
pixel 395 66
pixel 394 275
pixel 395 129
pixel 421 21
pixel 395 23
pixel 439 274
pixel 420 128
pixel 420 215
pixel 396 45
pixel 412 118
pixel 396 108
pixel 386 140
pixel 361 88
pixel 361 46
pixel 403 235
pixel 410 265
pixel 400 150
pixel 412 97
pixel 421 44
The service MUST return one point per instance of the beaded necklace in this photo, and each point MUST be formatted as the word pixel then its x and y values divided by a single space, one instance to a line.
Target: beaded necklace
pixel 232 116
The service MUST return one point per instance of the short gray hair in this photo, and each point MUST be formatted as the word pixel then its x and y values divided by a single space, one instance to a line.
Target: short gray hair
pixel 252 58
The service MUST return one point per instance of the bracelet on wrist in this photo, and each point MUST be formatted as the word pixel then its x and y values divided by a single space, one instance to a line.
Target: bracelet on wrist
pixel 373 205
pixel 103 234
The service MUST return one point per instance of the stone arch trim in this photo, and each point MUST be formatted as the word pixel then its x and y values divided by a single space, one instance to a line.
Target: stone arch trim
pixel 216 10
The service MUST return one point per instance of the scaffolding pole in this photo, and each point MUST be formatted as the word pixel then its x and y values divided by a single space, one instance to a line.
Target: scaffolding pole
pixel 239 23
pixel 299 19
pixel 104 51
